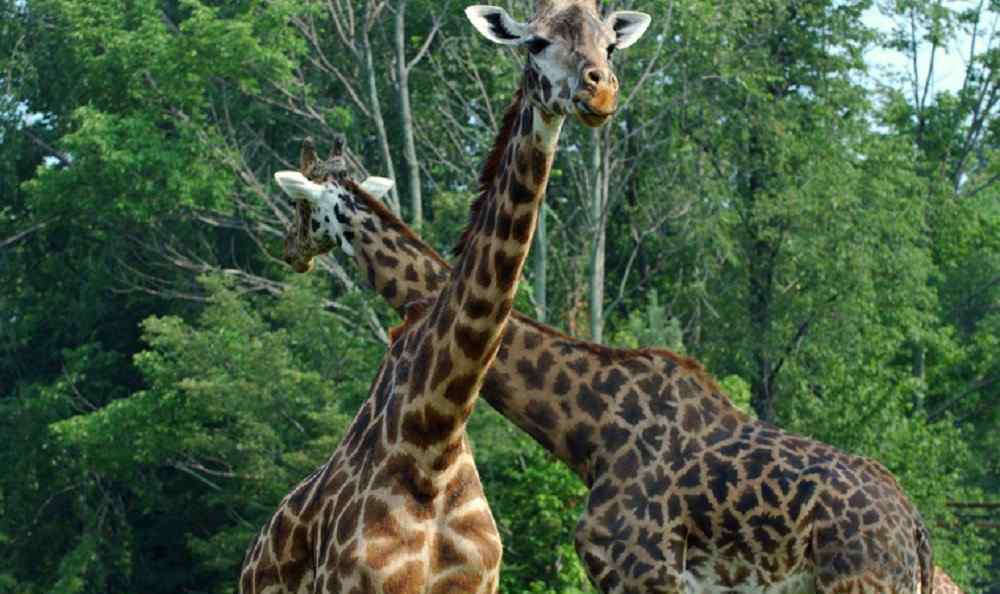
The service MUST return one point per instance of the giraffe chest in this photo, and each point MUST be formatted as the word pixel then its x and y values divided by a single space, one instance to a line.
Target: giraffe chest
pixel 429 557
pixel 406 543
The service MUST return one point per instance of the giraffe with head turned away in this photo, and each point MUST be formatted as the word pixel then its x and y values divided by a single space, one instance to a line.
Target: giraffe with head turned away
pixel 687 493
pixel 399 506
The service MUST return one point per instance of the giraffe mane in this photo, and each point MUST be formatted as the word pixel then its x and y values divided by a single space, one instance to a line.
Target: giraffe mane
pixel 621 354
pixel 490 168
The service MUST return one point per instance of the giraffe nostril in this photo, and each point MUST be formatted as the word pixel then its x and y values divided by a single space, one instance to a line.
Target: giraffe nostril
pixel 594 76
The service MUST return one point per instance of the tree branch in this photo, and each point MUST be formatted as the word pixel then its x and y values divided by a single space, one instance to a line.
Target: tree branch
pixel 62 157
pixel 25 233
pixel 427 42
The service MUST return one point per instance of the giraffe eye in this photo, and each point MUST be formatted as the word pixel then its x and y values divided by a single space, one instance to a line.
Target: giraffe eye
pixel 611 50
pixel 537 44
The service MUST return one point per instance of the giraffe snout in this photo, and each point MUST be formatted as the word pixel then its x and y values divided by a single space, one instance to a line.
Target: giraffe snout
pixel 596 99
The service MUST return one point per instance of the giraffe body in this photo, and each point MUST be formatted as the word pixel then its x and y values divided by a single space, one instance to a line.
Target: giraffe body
pixel 686 490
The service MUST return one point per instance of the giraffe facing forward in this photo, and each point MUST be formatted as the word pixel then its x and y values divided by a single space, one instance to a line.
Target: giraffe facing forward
pixel 688 494
pixel 399 506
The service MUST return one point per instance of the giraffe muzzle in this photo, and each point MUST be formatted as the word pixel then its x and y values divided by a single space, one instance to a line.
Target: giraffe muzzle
pixel 597 98
pixel 592 113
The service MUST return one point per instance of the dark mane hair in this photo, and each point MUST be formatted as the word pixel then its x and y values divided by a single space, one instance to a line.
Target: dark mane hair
pixel 490 167
pixel 619 354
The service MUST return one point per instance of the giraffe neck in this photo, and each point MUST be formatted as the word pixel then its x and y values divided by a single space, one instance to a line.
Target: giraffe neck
pixel 404 269
pixel 472 310
pixel 452 343
pixel 566 393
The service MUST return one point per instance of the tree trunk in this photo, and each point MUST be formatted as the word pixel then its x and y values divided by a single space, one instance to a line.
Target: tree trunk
pixel 597 259
pixel 761 276
pixel 376 110
pixel 761 388
pixel 760 272
pixel 540 278
pixel 406 120
pixel 920 366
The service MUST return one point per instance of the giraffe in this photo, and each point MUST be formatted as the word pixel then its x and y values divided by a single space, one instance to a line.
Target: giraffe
pixel 687 493
pixel 943 584
pixel 302 240
pixel 399 506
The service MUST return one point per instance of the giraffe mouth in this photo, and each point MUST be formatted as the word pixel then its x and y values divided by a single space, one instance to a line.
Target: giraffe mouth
pixel 590 116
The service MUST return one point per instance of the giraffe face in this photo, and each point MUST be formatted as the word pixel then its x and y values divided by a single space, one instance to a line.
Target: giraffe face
pixel 568 49
pixel 328 205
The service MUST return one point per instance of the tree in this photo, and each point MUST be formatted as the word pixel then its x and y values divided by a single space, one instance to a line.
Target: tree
pixel 953 135
pixel 237 408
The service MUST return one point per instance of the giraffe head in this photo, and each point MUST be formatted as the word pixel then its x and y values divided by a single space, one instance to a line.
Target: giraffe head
pixel 318 214
pixel 568 46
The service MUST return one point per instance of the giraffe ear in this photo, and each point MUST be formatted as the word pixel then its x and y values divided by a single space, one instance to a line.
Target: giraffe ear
pixel 298 187
pixel 377 186
pixel 628 26
pixel 496 25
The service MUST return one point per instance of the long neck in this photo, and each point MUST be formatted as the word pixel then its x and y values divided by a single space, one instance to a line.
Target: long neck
pixel 397 263
pixel 538 375
pixel 446 348
pixel 469 316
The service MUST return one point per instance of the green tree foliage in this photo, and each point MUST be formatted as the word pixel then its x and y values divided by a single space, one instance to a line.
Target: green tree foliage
pixel 824 237
pixel 238 406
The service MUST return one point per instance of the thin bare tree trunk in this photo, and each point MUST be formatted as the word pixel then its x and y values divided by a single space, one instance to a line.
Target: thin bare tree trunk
pixel 376 111
pixel 597 248
pixel 540 273
pixel 406 117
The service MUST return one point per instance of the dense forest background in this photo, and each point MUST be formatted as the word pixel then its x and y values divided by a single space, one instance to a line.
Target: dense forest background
pixel 823 234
